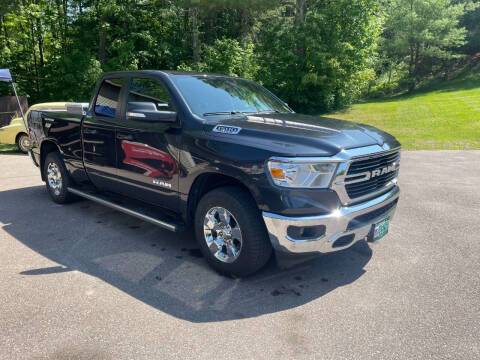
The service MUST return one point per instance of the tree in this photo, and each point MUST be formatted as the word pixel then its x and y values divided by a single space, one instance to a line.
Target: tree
pixel 471 22
pixel 423 34
pixel 316 54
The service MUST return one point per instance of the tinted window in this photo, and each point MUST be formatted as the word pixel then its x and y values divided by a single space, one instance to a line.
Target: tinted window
pixel 148 95
pixel 208 95
pixel 107 99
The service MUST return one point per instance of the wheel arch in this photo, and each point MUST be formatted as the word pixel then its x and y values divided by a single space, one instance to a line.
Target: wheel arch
pixel 207 182
pixel 20 133
pixel 47 147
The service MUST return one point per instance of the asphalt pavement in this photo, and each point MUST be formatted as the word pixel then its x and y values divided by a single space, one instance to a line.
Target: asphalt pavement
pixel 82 281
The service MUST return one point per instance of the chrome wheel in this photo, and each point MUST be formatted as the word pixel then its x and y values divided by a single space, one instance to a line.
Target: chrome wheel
pixel 54 178
pixel 222 234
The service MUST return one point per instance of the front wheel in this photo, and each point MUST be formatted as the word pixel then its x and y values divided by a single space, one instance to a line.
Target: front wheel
pixel 231 233
pixel 57 178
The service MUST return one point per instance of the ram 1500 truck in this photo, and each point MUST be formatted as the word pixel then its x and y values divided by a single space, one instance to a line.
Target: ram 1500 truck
pixel 226 156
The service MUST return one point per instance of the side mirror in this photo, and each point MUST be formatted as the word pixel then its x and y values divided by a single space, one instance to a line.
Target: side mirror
pixel 147 111
pixel 152 116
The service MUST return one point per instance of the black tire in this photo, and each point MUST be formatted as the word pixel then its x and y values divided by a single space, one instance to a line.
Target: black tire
pixel 20 141
pixel 59 195
pixel 255 248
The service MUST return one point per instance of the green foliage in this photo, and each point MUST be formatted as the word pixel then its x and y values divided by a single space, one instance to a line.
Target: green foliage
pixel 8 148
pixel 78 72
pixel 227 56
pixel 321 62
pixel 317 55
pixel 471 22
pixel 317 59
pixel 421 36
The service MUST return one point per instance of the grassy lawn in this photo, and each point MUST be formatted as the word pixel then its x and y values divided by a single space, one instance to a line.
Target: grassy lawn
pixel 8 148
pixel 447 117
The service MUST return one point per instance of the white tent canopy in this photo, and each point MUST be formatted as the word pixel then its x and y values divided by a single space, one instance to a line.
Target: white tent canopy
pixel 5 75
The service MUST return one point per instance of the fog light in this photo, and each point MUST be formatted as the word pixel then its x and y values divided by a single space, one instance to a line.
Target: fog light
pixel 305 232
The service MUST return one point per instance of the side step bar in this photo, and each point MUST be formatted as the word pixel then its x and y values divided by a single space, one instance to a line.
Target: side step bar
pixel 139 213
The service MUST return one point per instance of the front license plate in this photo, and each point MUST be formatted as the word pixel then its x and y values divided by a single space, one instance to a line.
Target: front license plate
pixel 380 229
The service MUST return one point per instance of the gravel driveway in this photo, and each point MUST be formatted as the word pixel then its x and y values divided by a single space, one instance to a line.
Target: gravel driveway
pixel 85 282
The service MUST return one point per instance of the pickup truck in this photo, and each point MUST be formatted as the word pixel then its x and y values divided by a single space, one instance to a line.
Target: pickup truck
pixel 225 156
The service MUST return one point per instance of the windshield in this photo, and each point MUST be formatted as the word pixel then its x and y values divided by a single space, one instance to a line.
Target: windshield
pixel 217 95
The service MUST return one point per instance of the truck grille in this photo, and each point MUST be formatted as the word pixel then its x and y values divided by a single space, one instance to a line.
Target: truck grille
pixel 371 174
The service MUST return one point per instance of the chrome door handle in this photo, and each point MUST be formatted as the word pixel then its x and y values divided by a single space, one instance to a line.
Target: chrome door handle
pixel 134 115
pixel 90 131
pixel 124 137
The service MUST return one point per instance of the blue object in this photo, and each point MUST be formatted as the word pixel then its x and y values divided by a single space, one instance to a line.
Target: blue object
pixel 5 75
pixel 105 110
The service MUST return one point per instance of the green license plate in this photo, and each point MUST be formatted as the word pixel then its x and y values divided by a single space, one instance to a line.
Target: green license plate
pixel 380 229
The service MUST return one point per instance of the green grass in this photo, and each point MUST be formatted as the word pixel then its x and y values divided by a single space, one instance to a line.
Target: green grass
pixel 8 148
pixel 442 116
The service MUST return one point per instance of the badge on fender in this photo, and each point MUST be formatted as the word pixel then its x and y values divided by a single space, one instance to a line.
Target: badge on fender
pixel 227 129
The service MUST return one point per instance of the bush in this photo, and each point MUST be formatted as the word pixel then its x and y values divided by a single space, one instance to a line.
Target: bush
pixel 226 56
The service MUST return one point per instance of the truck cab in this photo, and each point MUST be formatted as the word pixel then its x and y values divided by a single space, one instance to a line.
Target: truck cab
pixel 226 156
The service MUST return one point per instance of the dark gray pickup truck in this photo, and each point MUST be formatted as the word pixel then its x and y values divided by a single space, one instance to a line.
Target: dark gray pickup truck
pixel 223 155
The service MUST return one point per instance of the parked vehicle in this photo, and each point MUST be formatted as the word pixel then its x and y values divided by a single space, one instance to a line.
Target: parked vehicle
pixel 15 133
pixel 226 156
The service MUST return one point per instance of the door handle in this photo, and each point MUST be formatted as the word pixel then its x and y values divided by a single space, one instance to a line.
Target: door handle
pixel 90 131
pixel 124 137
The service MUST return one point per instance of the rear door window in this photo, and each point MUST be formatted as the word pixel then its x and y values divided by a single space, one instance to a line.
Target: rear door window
pixel 107 103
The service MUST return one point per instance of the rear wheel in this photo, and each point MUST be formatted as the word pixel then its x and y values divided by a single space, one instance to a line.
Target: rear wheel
pixel 23 142
pixel 231 233
pixel 57 178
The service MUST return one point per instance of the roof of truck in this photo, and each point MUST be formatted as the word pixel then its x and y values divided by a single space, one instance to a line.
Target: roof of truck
pixel 167 72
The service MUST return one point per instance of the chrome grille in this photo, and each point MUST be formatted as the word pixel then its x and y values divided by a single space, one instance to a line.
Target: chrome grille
pixel 371 174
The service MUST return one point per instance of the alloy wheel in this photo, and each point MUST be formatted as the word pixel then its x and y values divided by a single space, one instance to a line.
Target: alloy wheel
pixel 54 178
pixel 222 234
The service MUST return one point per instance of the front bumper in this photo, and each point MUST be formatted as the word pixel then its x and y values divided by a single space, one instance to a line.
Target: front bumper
pixel 341 228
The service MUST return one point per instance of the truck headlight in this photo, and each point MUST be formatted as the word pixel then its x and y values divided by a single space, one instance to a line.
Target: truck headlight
pixel 301 173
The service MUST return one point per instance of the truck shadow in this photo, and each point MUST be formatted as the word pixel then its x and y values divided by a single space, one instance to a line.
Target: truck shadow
pixel 159 268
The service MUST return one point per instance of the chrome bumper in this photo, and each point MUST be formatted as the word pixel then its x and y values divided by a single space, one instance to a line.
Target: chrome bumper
pixel 338 225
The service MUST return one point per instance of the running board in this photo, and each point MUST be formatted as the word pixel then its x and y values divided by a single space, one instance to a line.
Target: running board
pixel 138 212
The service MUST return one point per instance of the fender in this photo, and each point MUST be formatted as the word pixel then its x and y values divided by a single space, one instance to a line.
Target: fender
pixel 204 154
pixel 206 179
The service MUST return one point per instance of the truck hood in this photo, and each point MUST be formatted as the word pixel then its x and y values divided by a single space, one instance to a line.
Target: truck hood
pixel 302 135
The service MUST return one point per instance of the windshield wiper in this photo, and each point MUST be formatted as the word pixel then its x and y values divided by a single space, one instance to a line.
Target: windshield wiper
pixel 263 112
pixel 267 112
pixel 236 112
pixel 222 113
